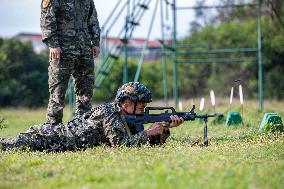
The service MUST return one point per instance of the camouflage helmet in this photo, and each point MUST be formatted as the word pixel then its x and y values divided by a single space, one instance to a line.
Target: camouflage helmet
pixel 134 91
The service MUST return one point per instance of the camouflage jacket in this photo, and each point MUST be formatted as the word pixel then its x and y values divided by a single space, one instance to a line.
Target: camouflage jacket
pixel 64 18
pixel 101 125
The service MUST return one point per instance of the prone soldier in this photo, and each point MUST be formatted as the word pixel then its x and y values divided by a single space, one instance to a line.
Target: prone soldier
pixel 104 124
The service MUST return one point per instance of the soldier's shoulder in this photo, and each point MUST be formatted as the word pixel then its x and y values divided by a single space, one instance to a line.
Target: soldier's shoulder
pixel 110 108
pixel 106 109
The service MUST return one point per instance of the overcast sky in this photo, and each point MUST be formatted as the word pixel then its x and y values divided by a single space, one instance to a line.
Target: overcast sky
pixel 23 16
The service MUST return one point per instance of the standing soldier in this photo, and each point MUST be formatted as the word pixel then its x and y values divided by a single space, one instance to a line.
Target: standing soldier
pixel 70 29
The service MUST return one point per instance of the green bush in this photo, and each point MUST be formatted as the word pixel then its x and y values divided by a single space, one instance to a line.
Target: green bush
pixel 23 75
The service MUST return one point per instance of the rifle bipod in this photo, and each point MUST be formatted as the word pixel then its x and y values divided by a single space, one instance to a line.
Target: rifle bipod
pixel 205 139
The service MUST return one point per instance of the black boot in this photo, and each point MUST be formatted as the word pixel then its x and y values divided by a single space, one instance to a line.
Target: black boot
pixel 8 143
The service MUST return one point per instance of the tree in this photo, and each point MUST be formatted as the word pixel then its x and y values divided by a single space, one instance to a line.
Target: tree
pixel 23 75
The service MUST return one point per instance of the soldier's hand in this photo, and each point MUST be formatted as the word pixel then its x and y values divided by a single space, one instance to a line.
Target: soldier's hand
pixel 54 53
pixel 96 51
pixel 176 121
pixel 155 129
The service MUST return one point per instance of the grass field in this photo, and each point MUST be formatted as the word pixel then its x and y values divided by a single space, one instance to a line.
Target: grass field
pixel 237 157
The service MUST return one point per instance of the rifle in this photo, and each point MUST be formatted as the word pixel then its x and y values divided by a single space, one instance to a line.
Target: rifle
pixel 187 116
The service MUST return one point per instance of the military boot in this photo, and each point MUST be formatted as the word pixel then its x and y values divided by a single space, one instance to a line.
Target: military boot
pixel 8 143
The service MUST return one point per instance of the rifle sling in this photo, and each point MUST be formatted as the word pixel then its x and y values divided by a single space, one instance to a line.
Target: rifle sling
pixel 125 123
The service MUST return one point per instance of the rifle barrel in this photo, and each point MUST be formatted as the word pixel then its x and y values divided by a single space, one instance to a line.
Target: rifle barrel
pixel 209 115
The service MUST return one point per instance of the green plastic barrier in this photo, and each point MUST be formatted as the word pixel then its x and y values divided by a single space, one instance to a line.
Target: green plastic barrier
pixel 270 119
pixel 234 118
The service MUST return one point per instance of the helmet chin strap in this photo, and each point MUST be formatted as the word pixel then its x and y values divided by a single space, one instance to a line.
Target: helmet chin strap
pixel 135 105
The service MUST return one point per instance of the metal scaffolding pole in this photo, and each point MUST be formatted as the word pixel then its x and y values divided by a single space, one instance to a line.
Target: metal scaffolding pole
pixel 260 69
pixel 141 60
pixel 216 7
pixel 111 14
pixel 175 72
pixel 164 58
pixel 216 60
pixel 136 15
pixel 72 97
pixel 125 41
pixel 217 51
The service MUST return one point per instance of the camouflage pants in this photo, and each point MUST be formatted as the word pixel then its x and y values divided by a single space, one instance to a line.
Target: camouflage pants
pixel 76 134
pixel 76 62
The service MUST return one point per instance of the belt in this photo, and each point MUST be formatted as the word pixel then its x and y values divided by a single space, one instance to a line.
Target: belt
pixel 73 25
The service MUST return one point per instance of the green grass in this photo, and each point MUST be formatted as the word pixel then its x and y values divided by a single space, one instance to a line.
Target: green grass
pixel 237 157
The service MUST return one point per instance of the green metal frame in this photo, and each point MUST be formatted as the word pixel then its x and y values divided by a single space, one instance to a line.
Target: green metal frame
pixel 260 69
pixel 164 57
pixel 71 97
pixel 175 51
pixel 175 71
pixel 125 66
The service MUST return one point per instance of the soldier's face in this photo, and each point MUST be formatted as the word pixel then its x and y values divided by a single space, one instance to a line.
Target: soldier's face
pixel 129 107
pixel 140 107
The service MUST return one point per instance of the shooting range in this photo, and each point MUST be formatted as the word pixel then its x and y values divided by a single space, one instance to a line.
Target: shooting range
pixel 217 65
pixel 173 53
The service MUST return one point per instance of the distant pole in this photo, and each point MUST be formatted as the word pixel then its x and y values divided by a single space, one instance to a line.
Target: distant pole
pixel 164 57
pixel 145 46
pixel 260 69
pixel 175 83
pixel 125 41
pixel 72 97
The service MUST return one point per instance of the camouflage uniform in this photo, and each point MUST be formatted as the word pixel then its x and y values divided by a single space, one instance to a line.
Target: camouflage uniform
pixel 73 26
pixel 104 124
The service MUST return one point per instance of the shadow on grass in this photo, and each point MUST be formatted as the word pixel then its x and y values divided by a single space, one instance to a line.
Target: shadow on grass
pixel 182 140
